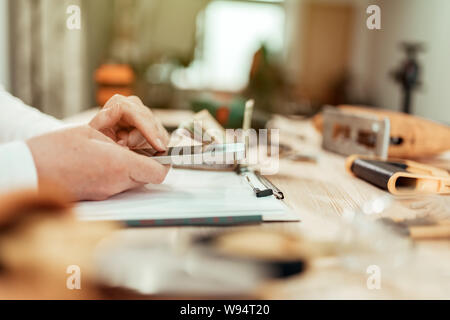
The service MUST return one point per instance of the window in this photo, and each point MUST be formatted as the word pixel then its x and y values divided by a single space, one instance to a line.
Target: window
pixel 232 32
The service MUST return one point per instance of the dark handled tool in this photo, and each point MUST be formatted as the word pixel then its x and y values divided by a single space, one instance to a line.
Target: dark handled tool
pixel 276 192
pixel 258 192
pixel 399 177
pixel 419 229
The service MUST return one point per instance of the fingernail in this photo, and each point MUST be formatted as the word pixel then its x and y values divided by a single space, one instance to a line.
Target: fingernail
pixel 160 144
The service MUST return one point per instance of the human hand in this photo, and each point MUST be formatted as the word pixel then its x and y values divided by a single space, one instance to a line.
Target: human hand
pixel 91 165
pixel 128 122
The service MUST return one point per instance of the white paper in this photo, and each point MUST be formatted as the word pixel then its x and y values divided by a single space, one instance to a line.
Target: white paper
pixel 186 194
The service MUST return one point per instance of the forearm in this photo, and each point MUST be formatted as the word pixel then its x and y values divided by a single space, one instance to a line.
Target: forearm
pixel 20 122
pixel 17 168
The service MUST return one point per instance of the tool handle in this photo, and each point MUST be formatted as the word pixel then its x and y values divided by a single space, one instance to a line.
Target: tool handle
pixel 430 232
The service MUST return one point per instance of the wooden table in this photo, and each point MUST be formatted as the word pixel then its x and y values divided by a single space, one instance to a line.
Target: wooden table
pixel 323 195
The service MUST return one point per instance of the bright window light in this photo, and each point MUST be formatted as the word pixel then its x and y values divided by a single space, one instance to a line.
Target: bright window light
pixel 233 31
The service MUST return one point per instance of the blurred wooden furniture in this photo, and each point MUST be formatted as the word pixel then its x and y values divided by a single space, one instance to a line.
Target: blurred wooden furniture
pixel 327 41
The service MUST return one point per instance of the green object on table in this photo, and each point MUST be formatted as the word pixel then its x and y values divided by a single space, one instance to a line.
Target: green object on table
pixel 229 114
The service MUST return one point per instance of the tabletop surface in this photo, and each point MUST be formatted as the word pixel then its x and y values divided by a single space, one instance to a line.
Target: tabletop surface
pixel 324 195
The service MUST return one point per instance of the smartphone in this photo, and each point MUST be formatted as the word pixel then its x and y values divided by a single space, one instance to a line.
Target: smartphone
pixel 227 153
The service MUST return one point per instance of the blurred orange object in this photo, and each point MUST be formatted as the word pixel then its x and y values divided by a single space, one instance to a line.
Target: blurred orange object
pixel 105 93
pixel 40 238
pixel 222 115
pixel 114 79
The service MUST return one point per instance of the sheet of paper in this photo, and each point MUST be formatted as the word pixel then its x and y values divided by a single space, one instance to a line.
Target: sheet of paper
pixel 185 194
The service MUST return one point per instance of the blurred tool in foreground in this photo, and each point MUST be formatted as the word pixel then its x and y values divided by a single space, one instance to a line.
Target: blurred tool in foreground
pixel 219 265
pixel 40 238
pixel 419 229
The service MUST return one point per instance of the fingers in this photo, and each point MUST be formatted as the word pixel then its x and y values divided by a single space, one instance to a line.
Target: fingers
pixel 131 112
pixel 108 117
pixel 122 137
pixel 164 135
pixel 110 133
pixel 135 99
pixel 135 139
pixel 142 169
pixel 98 135
pixel 132 139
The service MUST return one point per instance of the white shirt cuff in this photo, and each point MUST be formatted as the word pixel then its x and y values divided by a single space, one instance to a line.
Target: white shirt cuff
pixel 17 169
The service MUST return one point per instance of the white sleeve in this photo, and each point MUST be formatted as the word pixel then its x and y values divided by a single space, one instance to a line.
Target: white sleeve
pixel 17 167
pixel 20 122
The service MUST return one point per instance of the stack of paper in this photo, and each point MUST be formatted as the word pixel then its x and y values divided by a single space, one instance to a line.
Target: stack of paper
pixel 185 195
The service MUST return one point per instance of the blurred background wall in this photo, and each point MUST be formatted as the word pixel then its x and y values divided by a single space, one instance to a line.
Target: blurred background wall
pixel 4 44
pixel 374 54
pixel 47 59
pixel 293 56
pixel 426 22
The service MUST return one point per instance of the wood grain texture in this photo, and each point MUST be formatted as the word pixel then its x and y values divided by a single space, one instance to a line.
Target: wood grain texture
pixel 323 194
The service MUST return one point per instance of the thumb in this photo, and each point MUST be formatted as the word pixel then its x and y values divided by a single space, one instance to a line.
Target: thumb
pixel 143 169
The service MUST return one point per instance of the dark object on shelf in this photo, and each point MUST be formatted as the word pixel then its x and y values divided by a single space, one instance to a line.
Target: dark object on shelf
pixel 408 73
